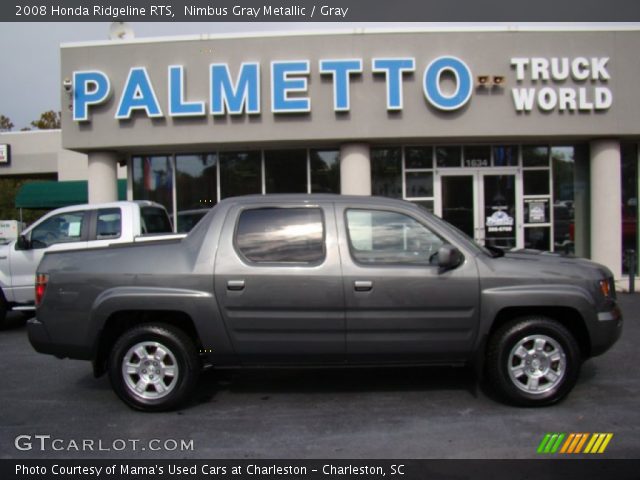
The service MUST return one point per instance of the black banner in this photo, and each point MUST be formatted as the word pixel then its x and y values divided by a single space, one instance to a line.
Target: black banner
pixel 583 469
pixel 320 11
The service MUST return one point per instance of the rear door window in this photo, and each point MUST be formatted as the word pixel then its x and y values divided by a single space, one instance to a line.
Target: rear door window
pixel 281 235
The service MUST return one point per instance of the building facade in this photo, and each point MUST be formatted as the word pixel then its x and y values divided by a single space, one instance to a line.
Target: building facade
pixel 523 139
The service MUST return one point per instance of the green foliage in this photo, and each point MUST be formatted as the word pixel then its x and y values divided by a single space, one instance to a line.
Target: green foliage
pixel 8 189
pixel 5 124
pixel 48 121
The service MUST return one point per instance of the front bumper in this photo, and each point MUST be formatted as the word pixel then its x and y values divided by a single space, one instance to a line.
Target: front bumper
pixel 606 331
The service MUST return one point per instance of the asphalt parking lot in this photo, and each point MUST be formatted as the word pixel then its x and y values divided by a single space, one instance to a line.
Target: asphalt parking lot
pixel 355 413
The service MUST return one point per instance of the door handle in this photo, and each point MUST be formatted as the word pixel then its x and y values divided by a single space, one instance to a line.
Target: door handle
pixel 235 285
pixel 362 285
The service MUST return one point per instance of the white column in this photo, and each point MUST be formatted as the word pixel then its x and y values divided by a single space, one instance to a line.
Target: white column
pixel 355 169
pixel 606 217
pixel 103 177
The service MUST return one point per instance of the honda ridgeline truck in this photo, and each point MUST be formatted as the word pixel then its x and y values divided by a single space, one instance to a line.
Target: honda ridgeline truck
pixel 322 280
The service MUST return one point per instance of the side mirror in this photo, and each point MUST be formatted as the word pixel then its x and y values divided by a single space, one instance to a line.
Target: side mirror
pixel 449 257
pixel 23 243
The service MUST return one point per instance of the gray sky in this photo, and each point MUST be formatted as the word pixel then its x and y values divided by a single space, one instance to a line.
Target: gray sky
pixel 30 54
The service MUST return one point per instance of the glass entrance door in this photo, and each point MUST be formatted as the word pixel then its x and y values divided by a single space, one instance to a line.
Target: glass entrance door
pixel 483 204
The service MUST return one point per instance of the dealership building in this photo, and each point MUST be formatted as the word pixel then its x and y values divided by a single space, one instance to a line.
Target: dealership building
pixel 521 138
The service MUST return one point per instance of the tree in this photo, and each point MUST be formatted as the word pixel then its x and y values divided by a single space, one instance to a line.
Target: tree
pixel 48 121
pixel 5 124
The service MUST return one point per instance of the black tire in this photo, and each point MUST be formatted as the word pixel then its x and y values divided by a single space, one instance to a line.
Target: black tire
pixel 514 364
pixel 176 373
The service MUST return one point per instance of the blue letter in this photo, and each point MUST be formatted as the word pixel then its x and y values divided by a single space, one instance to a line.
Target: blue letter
pixel 89 88
pixel 282 85
pixel 340 70
pixel 431 83
pixel 177 105
pixel 393 68
pixel 138 94
pixel 244 95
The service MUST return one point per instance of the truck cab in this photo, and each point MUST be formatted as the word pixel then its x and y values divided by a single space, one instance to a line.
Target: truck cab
pixel 71 228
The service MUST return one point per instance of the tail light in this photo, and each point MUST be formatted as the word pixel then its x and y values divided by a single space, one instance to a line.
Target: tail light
pixel 41 286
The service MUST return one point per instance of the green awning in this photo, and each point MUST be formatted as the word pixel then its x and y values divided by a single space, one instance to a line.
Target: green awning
pixel 47 195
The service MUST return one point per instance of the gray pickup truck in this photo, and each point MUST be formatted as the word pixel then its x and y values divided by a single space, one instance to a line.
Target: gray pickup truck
pixel 322 280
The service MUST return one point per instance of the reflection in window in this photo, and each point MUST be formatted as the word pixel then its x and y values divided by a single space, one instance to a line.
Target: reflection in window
pixel 240 173
pixel 196 179
pixel 535 156
pixel 62 228
pixel 153 180
pixel 629 166
pixel 537 238
pixel 419 184
pixel 505 156
pixel 379 237
pixel 386 172
pixel 418 157
pixel 285 171
pixel 448 156
pixel 281 235
pixel 325 171
pixel 563 163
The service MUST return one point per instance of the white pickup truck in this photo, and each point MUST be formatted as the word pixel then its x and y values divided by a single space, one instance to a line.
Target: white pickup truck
pixel 71 228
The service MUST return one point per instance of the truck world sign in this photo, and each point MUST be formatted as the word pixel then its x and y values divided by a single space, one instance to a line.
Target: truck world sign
pixel 556 84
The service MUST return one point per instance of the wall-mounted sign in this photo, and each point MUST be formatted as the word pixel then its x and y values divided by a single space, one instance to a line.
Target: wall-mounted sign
pixel 5 155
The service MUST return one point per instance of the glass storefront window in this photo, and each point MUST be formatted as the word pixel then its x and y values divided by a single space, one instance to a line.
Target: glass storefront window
pixel 426 204
pixel 419 184
pixel 285 171
pixel 240 173
pixel 325 171
pixel 505 156
pixel 196 181
pixel 629 166
pixel 418 157
pixel 448 156
pixel 563 163
pixel 536 182
pixel 537 238
pixel 153 180
pixel 386 172
pixel 477 156
pixel 535 156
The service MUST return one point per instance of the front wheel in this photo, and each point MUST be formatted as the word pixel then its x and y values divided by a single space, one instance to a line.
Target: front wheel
pixel 533 361
pixel 154 367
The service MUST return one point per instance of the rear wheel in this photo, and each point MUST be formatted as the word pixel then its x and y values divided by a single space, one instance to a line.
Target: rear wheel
pixel 533 361
pixel 154 367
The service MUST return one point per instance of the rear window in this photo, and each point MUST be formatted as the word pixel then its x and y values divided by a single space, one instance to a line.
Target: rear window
pixel 154 220
pixel 281 235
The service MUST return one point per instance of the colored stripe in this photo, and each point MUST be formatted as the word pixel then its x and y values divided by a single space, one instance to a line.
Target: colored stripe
pixel 594 437
pixel 605 443
pixel 550 443
pixel 565 447
pixel 575 442
pixel 557 444
pixel 599 441
pixel 543 443
pixel 582 442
